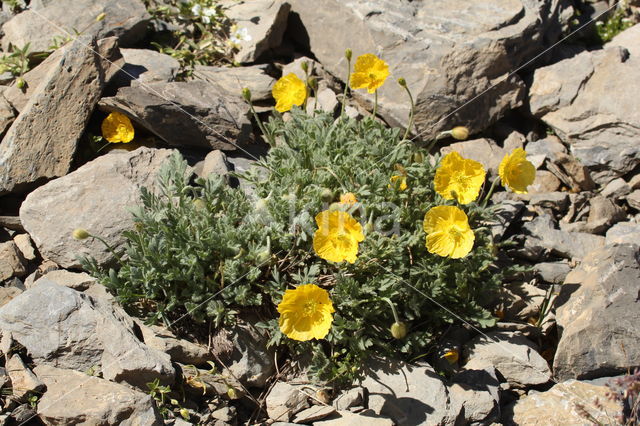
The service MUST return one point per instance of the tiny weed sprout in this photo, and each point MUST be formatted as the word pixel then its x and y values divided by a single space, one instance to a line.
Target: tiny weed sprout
pixel 354 242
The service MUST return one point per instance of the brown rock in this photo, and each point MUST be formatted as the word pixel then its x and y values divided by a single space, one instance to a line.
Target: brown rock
pixel 545 181
pixel 23 380
pixel 10 261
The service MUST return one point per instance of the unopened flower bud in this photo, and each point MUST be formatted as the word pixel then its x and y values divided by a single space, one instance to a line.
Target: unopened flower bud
pixel 368 228
pixel 398 330
pixel 326 195
pixel 232 393
pixel 20 83
pixel 80 234
pixel 451 356
pixel 263 256
pixel 199 204
pixel 305 66
pixel 460 133
pixel 402 82
pixel 418 157
pixel 313 83
pixel 348 54
pixel 100 17
pixel 246 94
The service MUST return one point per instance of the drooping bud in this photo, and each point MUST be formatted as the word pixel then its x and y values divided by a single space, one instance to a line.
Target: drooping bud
pixel 313 83
pixel 460 133
pixel 232 393
pixel 402 82
pixel 348 54
pixel 20 83
pixel 100 17
pixel 246 94
pixel 418 157
pixel 199 204
pixel 263 256
pixel 326 195
pixel 398 330
pixel 80 234
pixel 305 66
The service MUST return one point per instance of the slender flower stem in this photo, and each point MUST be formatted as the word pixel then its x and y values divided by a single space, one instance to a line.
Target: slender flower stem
pixel 266 134
pixel 375 104
pixel 346 88
pixel 490 193
pixel 107 246
pixel 393 309
pixel 411 113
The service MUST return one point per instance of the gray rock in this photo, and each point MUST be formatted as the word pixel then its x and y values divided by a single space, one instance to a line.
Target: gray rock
pixel 560 406
pixel 570 96
pixel 617 189
pixel 295 67
pixel 142 66
pixel 350 398
pixel 60 109
pixel 514 356
pixel 95 197
pixel 125 19
pixel 408 394
pixel 265 22
pixel 285 400
pixel 347 418
pixel 22 414
pixel 544 182
pixel 76 280
pixel 570 245
pixel 327 100
pixel 77 398
pixel 505 214
pixel 549 147
pixel 633 199
pixel 11 222
pixel 557 201
pixel 11 263
pixel 23 381
pixel 7 115
pixel 60 326
pixel 602 214
pixel 186 113
pixel 552 272
pixel 250 361
pixel 233 80
pixel 623 233
pixel 313 413
pixel 477 394
pixel 597 313
pixel 179 350
pixel 23 242
pixel 448 51
pixel 519 301
pixel 214 162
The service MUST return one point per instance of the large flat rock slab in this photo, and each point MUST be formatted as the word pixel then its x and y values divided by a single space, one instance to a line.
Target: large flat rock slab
pixel 125 19
pixel 449 52
pixel 95 197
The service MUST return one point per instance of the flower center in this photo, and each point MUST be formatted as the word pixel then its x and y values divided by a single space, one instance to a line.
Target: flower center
pixel 455 233
pixel 309 308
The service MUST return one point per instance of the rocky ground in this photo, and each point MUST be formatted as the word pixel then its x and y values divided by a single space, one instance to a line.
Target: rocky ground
pixel 568 328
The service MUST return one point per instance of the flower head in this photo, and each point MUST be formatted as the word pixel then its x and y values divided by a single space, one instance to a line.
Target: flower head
pixel 459 178
pixel 348 199
pixel 117 128
pixel 399 182
pixel 370 72
pixel 289 91
pixel 80 234
pixel 516 171
pixel 305 313
pixel 337 236
pixel 448 232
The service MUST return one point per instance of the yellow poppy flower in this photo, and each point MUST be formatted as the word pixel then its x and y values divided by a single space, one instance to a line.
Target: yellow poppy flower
pixel 448 232
pixel 399 182
pixel 289 91
pixel 117 128
pixel 452 356
pixel 516 171
pixel 459 178
pixel 337 236
pixel 370 72
pixel 348 199
pixel 305 313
